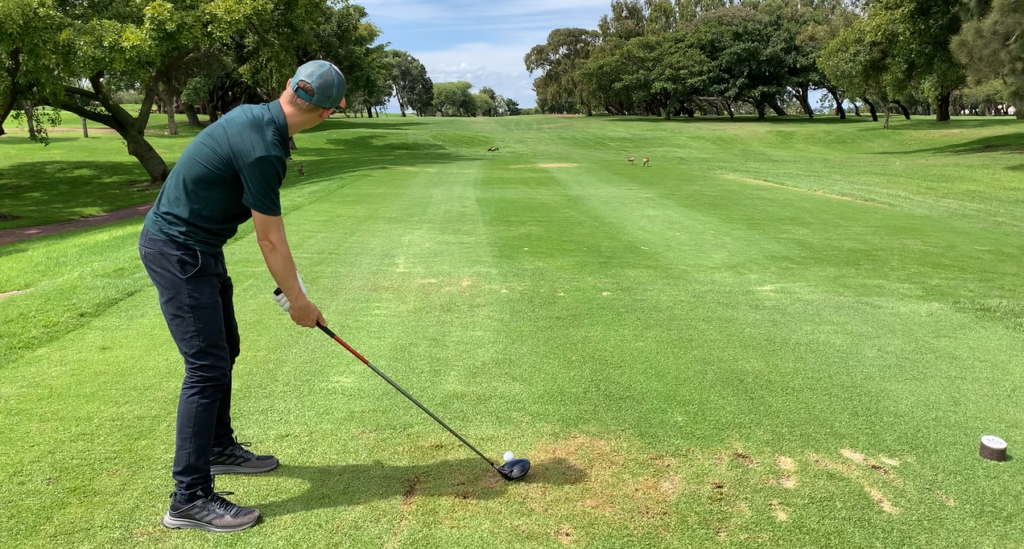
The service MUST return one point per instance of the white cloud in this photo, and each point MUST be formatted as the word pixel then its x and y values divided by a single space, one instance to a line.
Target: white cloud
pixel 481 42
pixel 498 66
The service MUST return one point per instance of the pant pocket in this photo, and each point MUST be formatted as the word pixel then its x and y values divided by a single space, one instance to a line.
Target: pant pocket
pixel 192 263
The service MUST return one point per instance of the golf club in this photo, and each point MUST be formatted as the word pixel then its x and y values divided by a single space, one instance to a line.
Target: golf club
pixel 514 469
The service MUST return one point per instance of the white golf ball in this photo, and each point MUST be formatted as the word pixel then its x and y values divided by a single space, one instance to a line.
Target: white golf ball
pixel 509 456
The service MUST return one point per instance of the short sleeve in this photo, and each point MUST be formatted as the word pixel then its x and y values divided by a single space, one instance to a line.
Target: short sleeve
pixel 261 184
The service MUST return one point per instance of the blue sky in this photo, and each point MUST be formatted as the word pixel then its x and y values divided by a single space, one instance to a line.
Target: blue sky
pixel 480 42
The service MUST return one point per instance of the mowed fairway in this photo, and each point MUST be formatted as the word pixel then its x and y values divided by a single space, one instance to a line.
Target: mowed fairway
pixel 784 334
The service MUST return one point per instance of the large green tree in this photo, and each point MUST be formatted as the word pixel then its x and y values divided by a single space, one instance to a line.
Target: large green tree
pixel 29 32
pixel 409 80
pixel 991 47
pixel 453 98
pixel 560 59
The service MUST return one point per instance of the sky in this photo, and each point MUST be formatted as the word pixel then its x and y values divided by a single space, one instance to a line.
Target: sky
pixel 481 42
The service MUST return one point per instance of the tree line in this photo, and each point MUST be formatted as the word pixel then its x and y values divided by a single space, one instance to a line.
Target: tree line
pixel 683 57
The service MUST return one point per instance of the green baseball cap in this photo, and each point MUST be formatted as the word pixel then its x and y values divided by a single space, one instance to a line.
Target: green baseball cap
pixel 327 81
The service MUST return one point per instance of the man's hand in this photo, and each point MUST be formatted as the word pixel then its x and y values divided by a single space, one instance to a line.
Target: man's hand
pixel 305 313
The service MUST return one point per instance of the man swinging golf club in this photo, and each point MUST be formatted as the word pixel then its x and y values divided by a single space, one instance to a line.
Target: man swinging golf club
pixel 230 172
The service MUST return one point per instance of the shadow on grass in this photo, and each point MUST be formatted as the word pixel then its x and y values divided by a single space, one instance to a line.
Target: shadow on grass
pixel 349 155
pixel 742 119
pixel 1009 142
pixel 382 124
pixel 465 479
pixel 52 191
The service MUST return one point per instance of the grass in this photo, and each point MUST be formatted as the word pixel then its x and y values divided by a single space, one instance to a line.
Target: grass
pixel 75 177
pixel 783 334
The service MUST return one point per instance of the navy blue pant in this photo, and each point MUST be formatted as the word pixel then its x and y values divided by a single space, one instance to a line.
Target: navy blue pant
pixel 195 296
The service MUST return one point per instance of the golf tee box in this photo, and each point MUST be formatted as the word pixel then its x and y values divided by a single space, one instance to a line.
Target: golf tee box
pixel 993 448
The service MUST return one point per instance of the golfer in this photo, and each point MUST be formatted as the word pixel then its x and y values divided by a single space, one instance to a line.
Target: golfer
pixel 230 172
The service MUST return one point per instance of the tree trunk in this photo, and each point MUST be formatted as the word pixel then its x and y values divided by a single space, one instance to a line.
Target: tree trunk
pixel 131 129
pixel 760 111
pixel 401 107
pixel 13 68
pixel 839 111
pixel 779 111
pixel 85 127
pixel 871 107
pixel 856 107
pixel 885 109
pixel 212 112
pixel 168 104
pixel 728 108
pixel 191 114
pixel 801 96
pixel 906 113
pixel 369 112
pixel 687 111
pixel 942 112
pixel 30 120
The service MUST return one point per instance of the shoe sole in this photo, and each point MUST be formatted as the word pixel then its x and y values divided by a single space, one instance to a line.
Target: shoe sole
pixel 176 523
pixel 240 469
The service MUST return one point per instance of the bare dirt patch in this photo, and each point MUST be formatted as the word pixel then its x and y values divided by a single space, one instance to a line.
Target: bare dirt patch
pixel 880 499
pixel 408 500
pixel 780 514
pixel 564 534
pixel 560 165
pixel 856 457
pixel 889 461
pixel 745 458
pixel 861 459
pixel 945 499
pixel 9 294
pixel 819 193
pixel 785 463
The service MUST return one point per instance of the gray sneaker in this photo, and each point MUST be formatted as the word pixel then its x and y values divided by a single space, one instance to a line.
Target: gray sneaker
pixel 212 513
pixel 236 459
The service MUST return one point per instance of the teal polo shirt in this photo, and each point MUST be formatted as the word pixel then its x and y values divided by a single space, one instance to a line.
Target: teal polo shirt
pixel 232 167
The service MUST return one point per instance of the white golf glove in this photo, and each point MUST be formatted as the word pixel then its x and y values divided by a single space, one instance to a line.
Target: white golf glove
pixel 282 299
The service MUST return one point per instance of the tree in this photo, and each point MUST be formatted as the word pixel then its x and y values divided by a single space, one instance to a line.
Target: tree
pixel 105 48
pixel 453 98
pixel 483 105
pixel 855 61
pixel 991 47
pixel 412 87
pixel 512 107
pixel 560 59
pixel 824 23
pixel 29 29
pixel 750 54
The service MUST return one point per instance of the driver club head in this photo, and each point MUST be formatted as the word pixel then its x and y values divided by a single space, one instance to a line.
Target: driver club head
pixel 515 469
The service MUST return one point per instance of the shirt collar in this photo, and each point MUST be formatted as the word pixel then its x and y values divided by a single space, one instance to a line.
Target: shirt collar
pixel 280 124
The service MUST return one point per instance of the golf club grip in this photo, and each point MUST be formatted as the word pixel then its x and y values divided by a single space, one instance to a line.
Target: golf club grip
pixel 398 388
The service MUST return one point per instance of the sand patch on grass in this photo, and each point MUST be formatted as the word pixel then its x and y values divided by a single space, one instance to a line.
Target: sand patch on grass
pixel 780 514
pixel 735 493
pixel 9 294
pixel 880 499
pixel 798 189
pixel 945 499
pixel 745 458
pixel 564 534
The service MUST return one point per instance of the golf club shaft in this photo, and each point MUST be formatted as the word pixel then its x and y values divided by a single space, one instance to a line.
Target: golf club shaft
pixel 384 376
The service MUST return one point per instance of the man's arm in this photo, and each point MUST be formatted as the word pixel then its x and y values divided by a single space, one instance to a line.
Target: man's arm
pixel 274 245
